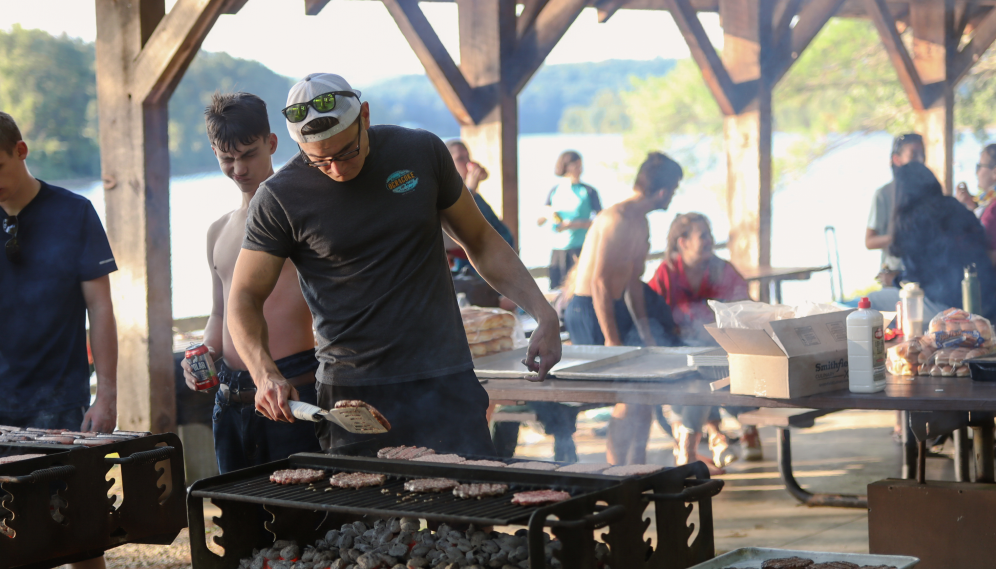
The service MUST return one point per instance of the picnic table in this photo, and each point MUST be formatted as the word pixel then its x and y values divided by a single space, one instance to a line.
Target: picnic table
pixel 770 279
pixel 901 394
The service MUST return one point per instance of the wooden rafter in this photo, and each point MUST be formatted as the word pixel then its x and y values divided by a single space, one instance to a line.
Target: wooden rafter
pixel 606 9
pixel 811 19
pixel 444 73
pixel 716 76
pixel 982 37
pixel 313 7
pixel 234 6
pixel 530 10
pixel 172 47
pixel 909 78
pixel 785 11
pixel 533 47
pixel 962 16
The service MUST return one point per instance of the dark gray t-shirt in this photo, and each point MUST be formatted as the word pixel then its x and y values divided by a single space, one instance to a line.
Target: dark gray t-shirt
pixel 370 259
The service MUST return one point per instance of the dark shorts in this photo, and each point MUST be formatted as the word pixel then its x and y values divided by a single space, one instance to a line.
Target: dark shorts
pixel 66 419
pixel 242 438
pixel 561 262
pixel 582 322
pixel 447 414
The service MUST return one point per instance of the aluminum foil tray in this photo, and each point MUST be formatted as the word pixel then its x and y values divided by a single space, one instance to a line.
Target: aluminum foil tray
pixel 644 364
pixel 752 557
pixel 509 364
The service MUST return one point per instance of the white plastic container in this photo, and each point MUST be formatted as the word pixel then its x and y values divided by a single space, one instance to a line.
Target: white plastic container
pixel 865 349
pixel 911 296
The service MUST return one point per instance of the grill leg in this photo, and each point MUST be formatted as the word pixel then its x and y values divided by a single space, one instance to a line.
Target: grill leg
pixel 808 498
pixel 962 455
pixel 982 427
pixel 909 448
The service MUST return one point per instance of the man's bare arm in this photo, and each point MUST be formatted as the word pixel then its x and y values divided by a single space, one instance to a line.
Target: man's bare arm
pixel 875 241
pixel 498 264
pixel 637 304
pixel 255 276
pixel 103 415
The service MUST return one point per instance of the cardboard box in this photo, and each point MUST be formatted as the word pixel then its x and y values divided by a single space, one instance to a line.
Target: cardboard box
pixel 789 358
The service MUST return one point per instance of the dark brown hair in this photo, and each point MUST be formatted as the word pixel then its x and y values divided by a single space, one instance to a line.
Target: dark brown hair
pixel 990 151
pixel 10 135
pixel 566 158
pixel 235 118
pixel 682 227
pixel 656 173
pixel 321 124
pixel 456 143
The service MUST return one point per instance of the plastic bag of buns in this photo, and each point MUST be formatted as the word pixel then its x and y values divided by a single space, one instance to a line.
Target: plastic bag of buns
pixel 955 328
pixel 491 330
pixel 903 358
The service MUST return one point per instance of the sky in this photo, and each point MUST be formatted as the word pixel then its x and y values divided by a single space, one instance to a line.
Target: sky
pixel 359 40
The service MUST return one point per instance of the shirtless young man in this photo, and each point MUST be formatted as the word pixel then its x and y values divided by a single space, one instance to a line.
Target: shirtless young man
pixel 240 136
pixel 611 306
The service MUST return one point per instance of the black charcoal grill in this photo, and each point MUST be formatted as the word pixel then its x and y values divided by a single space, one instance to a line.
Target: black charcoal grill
pixel 88 523
pixel 303 513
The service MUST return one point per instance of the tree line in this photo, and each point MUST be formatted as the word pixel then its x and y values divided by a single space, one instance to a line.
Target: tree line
pixel 48 84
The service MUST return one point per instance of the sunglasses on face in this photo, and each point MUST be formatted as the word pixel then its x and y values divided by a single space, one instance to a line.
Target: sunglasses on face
pixel 13 246
pixel 343 157
pixel 322 103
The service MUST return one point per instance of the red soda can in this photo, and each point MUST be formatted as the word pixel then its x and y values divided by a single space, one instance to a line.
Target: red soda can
pixel 202 366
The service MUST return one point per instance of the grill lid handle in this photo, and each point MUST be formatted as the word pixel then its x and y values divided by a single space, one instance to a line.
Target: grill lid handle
pixel 143 457
pixel 607 516
pixel 696 489
pixel 44 475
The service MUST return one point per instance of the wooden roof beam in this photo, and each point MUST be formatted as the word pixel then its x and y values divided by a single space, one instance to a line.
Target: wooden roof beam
pixel 539 40
pixel 444 73
pixel 982 37
pixel 234 6
pixel 717 78
pixel 313 7
pixel 607 8
pixel 812 18
pixel 171 48
pixel 530 10
pixel 909 77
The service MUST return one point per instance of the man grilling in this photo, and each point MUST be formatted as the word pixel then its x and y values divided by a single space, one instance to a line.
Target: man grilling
pixel 361 212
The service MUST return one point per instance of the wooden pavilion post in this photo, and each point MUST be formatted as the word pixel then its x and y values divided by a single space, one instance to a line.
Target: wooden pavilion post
pixel 762 39
pixel 141 55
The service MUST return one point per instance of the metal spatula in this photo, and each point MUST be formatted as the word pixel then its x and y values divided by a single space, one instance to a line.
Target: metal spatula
pixel 353 419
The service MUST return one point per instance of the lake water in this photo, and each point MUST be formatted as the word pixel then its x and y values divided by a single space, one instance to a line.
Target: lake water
pixel 834 191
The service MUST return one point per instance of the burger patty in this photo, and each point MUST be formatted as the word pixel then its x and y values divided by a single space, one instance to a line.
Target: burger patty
pixel 94 442
pixel 534 465
pixel 492 463
pixel 357 480
pixel 356 403
pixel 466 491
pixel 441 458
pixel 585 467
pixel 634 470
pixel 431 485
pixel 18 457
pixel 296 476
pixel 787 563
pixel 833 565
pixel 538 497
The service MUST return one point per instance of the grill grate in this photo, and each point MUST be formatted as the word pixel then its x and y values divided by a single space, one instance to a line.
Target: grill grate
pixel 497 510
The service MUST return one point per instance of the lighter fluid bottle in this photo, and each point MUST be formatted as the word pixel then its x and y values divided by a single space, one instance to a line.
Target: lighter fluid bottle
pixel 865 349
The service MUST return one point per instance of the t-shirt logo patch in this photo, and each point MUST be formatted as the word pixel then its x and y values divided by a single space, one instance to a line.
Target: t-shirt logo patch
pixel 402 181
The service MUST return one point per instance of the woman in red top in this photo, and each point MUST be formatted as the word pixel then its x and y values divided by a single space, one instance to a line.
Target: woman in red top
pixel 689 276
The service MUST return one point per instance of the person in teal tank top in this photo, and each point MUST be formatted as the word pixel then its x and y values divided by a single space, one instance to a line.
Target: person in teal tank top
pixel 570 207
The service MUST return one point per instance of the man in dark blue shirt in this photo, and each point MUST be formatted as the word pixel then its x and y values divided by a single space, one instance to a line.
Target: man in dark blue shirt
pixel 53 276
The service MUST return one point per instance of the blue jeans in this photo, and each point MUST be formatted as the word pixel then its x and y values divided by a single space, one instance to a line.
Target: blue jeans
pixel 242 438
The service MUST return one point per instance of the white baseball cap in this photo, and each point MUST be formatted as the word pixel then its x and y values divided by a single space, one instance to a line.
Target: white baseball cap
pixel 346 108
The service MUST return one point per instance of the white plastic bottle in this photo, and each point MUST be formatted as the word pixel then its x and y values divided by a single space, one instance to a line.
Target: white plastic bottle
pixel 865 349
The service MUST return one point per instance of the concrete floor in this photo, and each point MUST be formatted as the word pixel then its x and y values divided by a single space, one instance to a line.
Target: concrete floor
pixel 842 454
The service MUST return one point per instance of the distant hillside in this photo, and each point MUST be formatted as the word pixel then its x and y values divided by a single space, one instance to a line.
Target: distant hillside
pixel 412 100
pixel 61 124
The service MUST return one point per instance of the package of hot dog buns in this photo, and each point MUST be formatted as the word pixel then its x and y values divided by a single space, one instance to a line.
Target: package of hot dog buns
pixel 954 337
pixel 491 330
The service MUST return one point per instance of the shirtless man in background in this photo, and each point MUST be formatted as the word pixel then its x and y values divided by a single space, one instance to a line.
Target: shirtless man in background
pixel 612 306
pixel 239 131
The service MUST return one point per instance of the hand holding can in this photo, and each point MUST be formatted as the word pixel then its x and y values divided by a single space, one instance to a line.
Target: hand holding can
pixel 201 366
